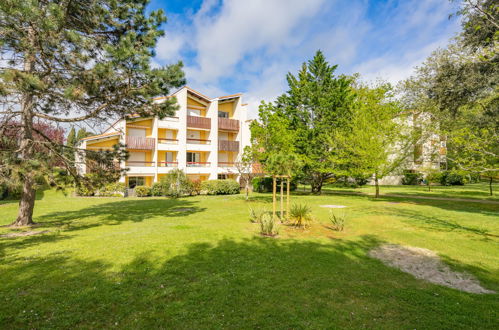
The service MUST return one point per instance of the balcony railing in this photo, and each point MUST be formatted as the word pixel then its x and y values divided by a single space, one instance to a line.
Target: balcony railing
pixel 198 141
pixel 133 163
pixel 224 145
pixel 198 122
pixel 228 124
pixel 167 164
pixel 198 164
pixel 167 141
pixel 226 164
pixel 139 143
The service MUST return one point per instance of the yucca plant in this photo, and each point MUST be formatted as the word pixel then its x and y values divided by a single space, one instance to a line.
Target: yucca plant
pixel 337 221
pixel 256 214
pixel 268 226
pixel 300 215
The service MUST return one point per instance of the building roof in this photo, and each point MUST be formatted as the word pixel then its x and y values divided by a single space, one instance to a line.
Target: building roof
pixel 100 136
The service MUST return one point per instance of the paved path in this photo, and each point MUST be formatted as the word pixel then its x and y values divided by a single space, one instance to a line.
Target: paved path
pixel 436 198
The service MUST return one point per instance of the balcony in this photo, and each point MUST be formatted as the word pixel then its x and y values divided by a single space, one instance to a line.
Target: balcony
pixel 228 124
pixel 167 141
pixel 167 164
pixel 198 164
pixel 198 122
pixel 198 141
pixel 139 164
pixel 226 164
pixel 139 143
pixel 224 145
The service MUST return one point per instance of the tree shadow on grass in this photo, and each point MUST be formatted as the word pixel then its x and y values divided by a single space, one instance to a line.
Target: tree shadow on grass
pixel 255 283
pixel 114 213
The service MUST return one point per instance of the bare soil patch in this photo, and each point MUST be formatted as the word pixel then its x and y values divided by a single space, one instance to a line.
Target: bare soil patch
pixel 333 206
pixel 426 265
pixel 25 233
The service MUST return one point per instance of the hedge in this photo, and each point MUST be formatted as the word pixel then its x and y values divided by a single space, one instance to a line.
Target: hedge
pixel 142 191
pixel 220 187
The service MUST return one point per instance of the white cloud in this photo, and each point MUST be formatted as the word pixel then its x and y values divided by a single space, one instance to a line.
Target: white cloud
pixel 249 45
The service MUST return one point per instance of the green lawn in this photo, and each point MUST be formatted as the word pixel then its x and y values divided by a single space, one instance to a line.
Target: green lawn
pixel 469 191
pixel 199 263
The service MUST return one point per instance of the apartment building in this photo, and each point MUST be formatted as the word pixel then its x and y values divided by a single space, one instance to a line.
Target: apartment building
pixel 204 138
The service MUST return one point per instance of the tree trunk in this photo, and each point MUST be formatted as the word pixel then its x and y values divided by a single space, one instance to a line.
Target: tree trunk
pixel 27 202
pixel 287 199
pixel 376 184
pixel 490 186
pixel 317 184
pixel 282 200
pixel 274 188
pixel 247 190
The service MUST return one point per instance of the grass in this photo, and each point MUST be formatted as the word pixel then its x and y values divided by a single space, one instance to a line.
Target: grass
pixel 469 191
pixel 199 263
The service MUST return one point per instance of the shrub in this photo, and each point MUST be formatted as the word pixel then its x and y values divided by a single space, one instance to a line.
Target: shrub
pixel 264 184
pixel 301 215
pixel 221 187
pixel 175 184
pixel 268 226
pixel 337 221
pixel 142 191
pixel 452 178
pixel 257 214
pixel 195 187
pixel 157 189
pixel 113 189
pixel 412 178
pixel 85 190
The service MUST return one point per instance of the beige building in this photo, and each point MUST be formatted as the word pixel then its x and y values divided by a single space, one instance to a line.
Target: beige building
pixel 204 138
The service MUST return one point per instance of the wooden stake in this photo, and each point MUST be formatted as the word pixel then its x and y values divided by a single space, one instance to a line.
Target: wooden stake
pixel 287 199
pixel 274 188
pixel 282 200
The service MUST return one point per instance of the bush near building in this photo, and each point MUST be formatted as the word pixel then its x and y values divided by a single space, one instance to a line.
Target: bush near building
pixel 264 184
pixel 142 191
pixel 220 187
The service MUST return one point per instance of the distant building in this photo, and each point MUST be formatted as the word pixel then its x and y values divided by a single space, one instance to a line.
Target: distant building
pixel 204 138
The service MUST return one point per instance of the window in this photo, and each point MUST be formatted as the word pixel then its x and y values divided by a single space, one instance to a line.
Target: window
pixel 194 112
pixel 223 114
pixel 193 157
pixel 222 177
pixel 135 181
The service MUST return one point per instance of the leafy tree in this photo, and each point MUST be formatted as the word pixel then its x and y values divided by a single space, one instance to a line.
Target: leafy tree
pixel 379 141
pixel 244 166
pixel 458 85
pixel 82 133
pixel 318 108
pixel 71 143
pixel 72 61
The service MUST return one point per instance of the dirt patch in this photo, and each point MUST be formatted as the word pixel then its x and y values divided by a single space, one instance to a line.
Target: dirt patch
pixel 333 206
pixel 25 233
pixel 426 265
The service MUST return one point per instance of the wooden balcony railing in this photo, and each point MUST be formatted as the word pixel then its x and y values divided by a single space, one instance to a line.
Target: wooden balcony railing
pixel 134 163
pixel 198 141
pixel 139 143
pixel 198 122
pixel 167 164
pixel 198 164
pixel 167 141
pixel 226 164
pixel 224 145
pixel 228 124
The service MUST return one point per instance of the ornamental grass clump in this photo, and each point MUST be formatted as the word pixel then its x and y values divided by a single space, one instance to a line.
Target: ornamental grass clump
pixel 268 226
pixel 256 214
pixel 300 215
pixel 337 221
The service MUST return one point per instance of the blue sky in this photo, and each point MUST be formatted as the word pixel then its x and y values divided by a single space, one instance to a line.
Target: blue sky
pixel 248 46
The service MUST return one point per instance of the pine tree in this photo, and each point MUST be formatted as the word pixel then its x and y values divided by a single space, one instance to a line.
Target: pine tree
pixel 73 61
pixel 71 139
